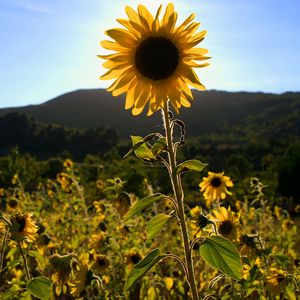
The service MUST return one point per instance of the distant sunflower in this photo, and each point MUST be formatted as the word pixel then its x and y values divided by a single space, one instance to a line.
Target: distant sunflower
pixel 215 186
pixel 132 258
pixel 23 227
pixel 101 263
pixel 154 60
pixel 226 221
pixel 276 281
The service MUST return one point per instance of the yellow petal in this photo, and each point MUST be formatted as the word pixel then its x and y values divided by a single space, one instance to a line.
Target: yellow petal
pixel 145 17
pixel 169 11
pixel 143 98
pixel 113 73
pixel 155 24
pixel 122 37
pixel 130 27
pixel 192 78
pixel 109 45
pixel 132 14
pixel 129 98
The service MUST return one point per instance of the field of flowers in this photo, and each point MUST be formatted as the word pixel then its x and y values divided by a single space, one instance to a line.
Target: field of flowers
pixel 64 241
pixel 71 238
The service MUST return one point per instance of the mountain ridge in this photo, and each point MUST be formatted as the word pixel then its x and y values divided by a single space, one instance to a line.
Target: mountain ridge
pixel 211 111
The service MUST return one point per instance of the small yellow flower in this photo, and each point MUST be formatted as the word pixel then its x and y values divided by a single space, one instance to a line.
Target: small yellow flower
pixel 65 181
pixel 226 221
pixel 123 230
pixel 100 208
pixel 96 241
pixel 2 192
pixel 15 179
pixel 276 281
pixel 12 204
pixel 154 59
pixel 215 186
pixel 68 164
pixel 101 263
pixel 23 227
pixel 100 184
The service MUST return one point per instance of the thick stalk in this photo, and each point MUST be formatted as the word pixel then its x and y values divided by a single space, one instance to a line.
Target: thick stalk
pixel 179 197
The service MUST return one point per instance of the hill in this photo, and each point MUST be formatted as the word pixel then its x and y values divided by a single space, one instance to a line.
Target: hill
pixel 257 115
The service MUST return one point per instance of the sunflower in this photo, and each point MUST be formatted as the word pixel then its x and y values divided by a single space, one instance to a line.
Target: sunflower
pixel 132 258
pixel 154 60
pixel 60 270
pixel 248 246
pixel 226 221
pixel 101 263
pixel 12 204
pixel 276 281
pixel 215 186
pixel 23 227
pixel 198 220
pixel 97 241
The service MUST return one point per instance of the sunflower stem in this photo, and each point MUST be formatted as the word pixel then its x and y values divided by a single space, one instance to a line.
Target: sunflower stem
pixel 3 248
pixel 25 261
pixel 179 197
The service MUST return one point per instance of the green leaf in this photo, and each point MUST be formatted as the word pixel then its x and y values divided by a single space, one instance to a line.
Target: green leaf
pixel 141 149
pixel 222 254
pixel 143 267
pixel 139 205
pixel 155 225
pixel 190 165
pixel 290 293
pixel 159 146
pixel 40 287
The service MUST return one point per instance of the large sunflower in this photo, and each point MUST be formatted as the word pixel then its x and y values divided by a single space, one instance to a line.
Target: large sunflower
pixel 154 60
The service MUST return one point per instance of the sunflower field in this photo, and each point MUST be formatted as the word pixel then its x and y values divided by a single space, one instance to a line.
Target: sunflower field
pixel 105 229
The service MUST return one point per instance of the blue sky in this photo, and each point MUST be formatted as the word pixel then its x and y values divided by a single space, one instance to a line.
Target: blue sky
pixel 49 47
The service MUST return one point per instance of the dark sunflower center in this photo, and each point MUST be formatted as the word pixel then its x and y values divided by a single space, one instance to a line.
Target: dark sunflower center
pixel 21 221
pixel 216 182
pixel 226 227
pixel 135 259
pixel 101 262
pixel 13 203
pixel 156 58
pixel 280 278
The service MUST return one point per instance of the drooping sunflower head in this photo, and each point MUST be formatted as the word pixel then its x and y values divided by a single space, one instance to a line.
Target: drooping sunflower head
pixel 226 221
pixel 276 281
pixel 154 60
pixel 23 227
pixel 215 186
